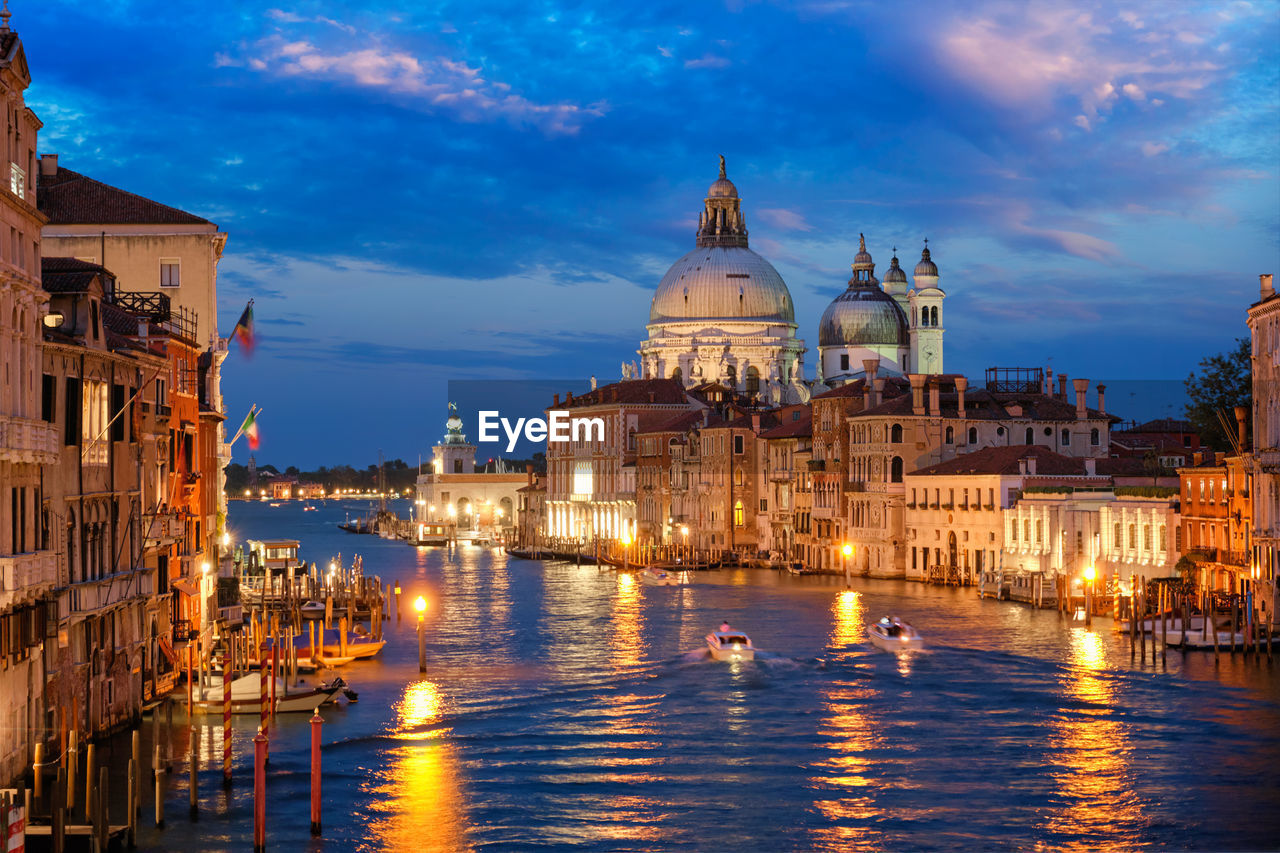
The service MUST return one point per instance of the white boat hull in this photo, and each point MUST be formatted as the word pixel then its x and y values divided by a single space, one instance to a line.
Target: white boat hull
pixel 720 653
pixel 730 646
pixel 658 578
pixel 900 643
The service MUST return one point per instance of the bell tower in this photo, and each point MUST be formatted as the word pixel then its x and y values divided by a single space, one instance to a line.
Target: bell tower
pixel 925 316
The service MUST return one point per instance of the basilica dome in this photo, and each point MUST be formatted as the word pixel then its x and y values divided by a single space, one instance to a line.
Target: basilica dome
pixel 863 316
pixel 722 283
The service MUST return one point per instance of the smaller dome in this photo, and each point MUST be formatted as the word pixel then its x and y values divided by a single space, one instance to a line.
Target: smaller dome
pixel 926 265
pixel 863 258
pixel 895 273
pixel 722 188
pixel 863 316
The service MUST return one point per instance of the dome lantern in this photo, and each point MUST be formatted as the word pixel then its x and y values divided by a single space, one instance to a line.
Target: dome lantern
pixel 721 222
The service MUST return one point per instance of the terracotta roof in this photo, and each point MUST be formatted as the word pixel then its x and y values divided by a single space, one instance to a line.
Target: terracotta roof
pixel 1161 425
pixel 1005 460
pixel 982 404
pixel 792 428
pixel 68 275
pixel 666 422
pixel 70 198
pixel 665 392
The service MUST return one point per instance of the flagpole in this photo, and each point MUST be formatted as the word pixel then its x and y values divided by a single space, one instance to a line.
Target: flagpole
pixel 240 431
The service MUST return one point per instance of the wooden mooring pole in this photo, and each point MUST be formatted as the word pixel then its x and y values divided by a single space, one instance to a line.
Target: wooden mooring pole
pixel 260 791
pixel 159 782
pixel 317 722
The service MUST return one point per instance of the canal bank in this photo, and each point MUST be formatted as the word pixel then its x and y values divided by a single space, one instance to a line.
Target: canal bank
pixel 570 707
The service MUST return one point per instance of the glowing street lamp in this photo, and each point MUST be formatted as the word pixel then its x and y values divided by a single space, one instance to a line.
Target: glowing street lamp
pixel 1089 574
pixel 626 549
pixel 684 531
pixel 846 552
pixel 420 605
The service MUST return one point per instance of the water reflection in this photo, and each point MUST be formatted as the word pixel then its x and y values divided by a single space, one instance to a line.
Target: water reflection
pixel 419 803
pixel 1094 795
pixel 844 783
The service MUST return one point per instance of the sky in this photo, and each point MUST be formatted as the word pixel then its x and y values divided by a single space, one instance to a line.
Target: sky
pixel 418 193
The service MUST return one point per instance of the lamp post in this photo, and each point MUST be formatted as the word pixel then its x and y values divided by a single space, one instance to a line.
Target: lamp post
pixel 626 549
pixel 846 552
pixel 420 605
pixel 684 531
pixel 1089 575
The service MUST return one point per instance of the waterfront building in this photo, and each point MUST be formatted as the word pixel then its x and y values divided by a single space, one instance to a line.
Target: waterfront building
pixel 720 506
pixel 723 314
pixel 110 499
pixel 1165 443
pixel 786 504
pixel 591 484
pixel 938 419
pixel 531 509
pixel 451 492
pixel 956 510
pixel 155 250
pixel 660 475
pixel 1216 517
pixel 1264 462
pixel 28 437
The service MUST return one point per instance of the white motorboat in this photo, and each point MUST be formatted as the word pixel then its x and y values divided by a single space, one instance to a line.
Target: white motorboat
pixel 728 644
pixel 894 635
pixel 1204 640
pixel 658 577
pixel 246 695
pixel 312 610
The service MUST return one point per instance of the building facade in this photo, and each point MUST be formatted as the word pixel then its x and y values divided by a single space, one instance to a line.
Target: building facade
pixel 1264 462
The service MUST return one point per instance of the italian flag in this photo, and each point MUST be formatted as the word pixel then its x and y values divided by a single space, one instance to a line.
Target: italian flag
pixel 249 429
pixel 244 329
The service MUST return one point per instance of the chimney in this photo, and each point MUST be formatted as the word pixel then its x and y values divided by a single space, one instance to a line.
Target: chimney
pixel 877 393
pixel 1062 386
pixel 1241 432
pixel 144 329
pixel 1197 458
pixel 1082 388
pixel 49 167
pixel 1102 400
pixel 871 366
pixel 755 422
pixel 1264 281
pixel 962 385
pixel 1048 380
pixel 1091 467
pixel 568 398
pixel 528 470
pixel 935 403
pixel 866 394
pixel 917 392
pixel 1031 466
pixel 555 400
pixel 593 383
pixel 650 396
pixel 1022 466
pixel 1219 458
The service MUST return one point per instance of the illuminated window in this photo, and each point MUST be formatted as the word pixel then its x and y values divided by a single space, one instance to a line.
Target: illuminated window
pixel 738 514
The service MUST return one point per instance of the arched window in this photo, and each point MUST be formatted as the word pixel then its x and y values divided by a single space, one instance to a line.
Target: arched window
pixel 895 469
pixel 738 514
pixel 933 316
pixel 753 380
pixel 1094 437
pixel 1031 436
pixel 973 435
pixel 895 434
pixel 951 435
pixel 733 376
pixel 677 375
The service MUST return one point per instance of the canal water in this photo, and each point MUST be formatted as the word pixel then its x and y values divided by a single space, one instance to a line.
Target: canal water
pixel 572 708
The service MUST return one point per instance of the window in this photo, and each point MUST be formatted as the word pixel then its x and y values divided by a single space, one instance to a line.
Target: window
pixel 738 514
pixel 737 444
pixel 1031 436
pixel 1013 531
pixel 1133 536
pixel 1066 438
pixel 973 435
pixel 17 180
pixel 753 380
pixel 118 421
pixel 895 471
pixel 1146 536
pixel 71 412
pixel 933 316
pixel 677 375
pixel 951 435
pixel 764 505
pixel 844 361
pixel 93 422
pixel 1094 437
pixel 1039 531
pixel 49 398
pixel 895 434
pixel 170 272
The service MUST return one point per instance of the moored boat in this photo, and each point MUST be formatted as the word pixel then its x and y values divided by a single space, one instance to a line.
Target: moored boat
pixel 658 577
pixel 246 695
pixel 728 644
pixel 894 635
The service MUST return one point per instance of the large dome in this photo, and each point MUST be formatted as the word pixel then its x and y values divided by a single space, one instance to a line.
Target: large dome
pixel 722 283
pixel 863 316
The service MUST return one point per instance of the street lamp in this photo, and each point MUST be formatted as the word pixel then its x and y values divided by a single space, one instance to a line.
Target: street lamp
pixel 847 552
pixel 626 549
pixel 420 605
pixel 684 531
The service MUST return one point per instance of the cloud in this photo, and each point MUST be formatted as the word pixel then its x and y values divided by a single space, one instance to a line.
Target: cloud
pixel 435 83
pixel 1151 149
pixel 1134 92
pixel 783 219
pixel 707 61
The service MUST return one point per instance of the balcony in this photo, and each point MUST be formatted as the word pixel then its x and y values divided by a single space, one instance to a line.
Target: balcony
pixel 1269 460
pixel 27 440
pixel 164 529
pixel 26 575
pixel 91 596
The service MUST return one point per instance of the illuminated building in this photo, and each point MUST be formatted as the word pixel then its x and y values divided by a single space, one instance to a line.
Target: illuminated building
pixel 451 492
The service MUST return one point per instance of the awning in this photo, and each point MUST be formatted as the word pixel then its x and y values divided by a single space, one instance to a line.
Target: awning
pixel 186 586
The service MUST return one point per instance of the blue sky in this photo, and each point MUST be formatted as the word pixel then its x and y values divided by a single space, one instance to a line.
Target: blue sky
pixel 425 192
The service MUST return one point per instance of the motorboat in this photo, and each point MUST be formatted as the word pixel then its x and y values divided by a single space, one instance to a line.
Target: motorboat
pixel 312 610
pixel 894 635
pixel 246 695
pixel 729 644
pixel 329 647
pixel 658 577
pixel 1203 639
